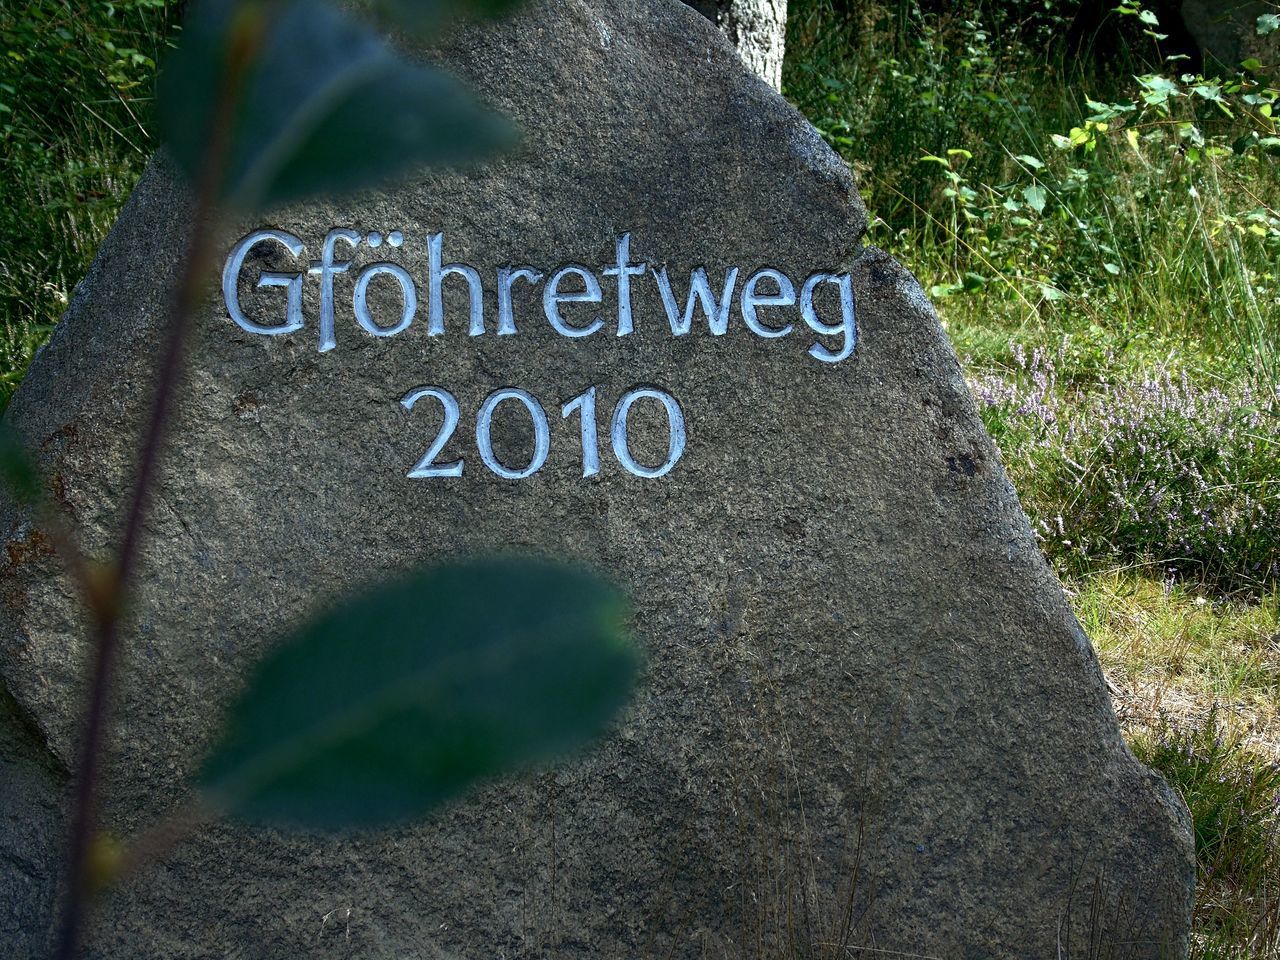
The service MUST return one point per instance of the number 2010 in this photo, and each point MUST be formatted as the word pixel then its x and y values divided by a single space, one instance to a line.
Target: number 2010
pixel 584 405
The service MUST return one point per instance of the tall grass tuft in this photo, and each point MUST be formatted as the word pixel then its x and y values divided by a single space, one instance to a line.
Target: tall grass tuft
pixel 1234 800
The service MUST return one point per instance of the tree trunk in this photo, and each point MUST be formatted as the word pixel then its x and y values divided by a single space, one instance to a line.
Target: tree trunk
pixel 757 28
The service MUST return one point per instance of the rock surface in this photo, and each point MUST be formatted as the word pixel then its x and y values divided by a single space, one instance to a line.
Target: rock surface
pixel 1227 31
pixel 756 28
pixel 869 718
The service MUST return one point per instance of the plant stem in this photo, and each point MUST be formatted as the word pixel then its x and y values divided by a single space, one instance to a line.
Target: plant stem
pixel 158 840
pixel 244 41
pixel 107 615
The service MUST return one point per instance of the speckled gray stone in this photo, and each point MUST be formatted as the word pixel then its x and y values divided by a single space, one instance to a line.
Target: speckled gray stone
pixel 869 716
pixel 1227 31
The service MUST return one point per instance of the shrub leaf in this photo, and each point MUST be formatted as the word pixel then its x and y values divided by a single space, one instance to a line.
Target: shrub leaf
pixel 400 699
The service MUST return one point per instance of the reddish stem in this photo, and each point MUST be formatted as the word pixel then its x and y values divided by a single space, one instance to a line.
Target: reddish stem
pixel 245 37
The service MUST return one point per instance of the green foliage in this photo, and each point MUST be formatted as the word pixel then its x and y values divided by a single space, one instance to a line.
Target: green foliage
pixel 894 89
pixel 75 83
pixel 403 697
pixel 1042 200
pixel 305 120
pixel 106 51
pixel 1233 796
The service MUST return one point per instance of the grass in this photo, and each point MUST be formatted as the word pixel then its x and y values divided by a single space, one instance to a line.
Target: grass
pixel 74 97
pixel 1178 655
pixel 1022 182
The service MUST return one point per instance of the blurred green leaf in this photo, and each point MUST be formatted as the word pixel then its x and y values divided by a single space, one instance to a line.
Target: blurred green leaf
pixel 326 107
pixel 402 698
pixel 17 471
pixel 420 15
pixel 1268 23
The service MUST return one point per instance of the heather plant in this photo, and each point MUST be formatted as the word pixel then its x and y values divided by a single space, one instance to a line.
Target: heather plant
pixel 75 133
pixel 1153 469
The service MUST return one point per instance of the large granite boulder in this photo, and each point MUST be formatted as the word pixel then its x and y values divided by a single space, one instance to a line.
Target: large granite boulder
pixel 869 718
pixel 1227 31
